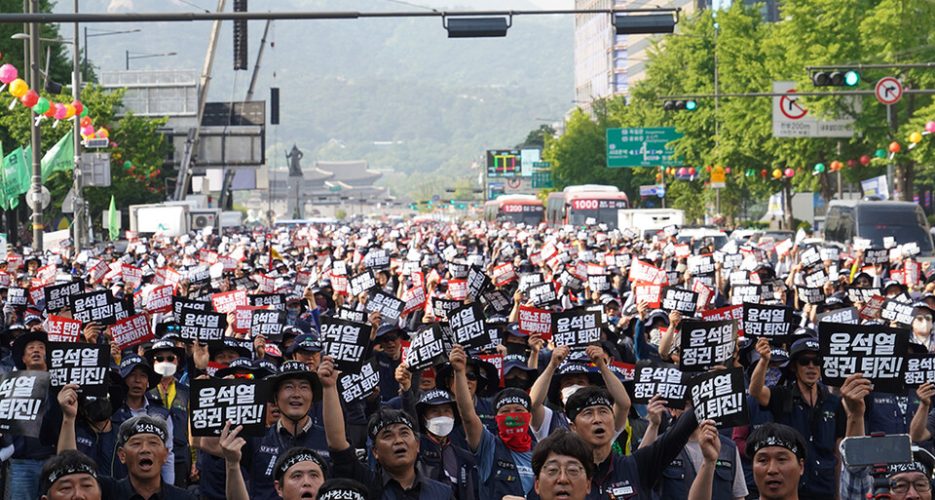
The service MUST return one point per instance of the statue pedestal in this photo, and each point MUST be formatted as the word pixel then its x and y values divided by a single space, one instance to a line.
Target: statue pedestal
pixel 296 202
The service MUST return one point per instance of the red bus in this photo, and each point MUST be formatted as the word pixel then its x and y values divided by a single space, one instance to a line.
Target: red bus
pixel 586 204
pixel 515 208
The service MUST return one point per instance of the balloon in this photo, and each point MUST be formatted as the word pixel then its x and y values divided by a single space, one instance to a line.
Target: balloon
pixel 836 165
pixel 707 168
pixel 84 112
pixel 692 171
pixel 85 121
pixel 726 170
pixel 777 174
pixel 8 73
pixel 865 160
pixel 658 177
pixel 851 163
pixel 880 153
pixel 820 168
pixel 790 173
pixel 60 111
pixel 88 130
pixel 18 88
pixel 915 137
pixel 42 105
pixel 69 111
pixel 683 172
pixel 930 127
pixel 763 173
pixel 30 98
pixel 78 106
pixel 49 113
pixel 102 132
pixel 895 147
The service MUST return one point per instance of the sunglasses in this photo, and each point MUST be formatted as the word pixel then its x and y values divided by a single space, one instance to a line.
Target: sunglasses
pixel 170 358
pixel 811 360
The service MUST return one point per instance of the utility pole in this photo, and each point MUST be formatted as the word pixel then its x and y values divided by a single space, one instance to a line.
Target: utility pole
pixel 80 233
pixel 36 189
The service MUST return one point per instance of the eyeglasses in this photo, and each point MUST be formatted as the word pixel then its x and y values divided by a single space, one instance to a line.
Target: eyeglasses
pixel 902 486
pixel 572 470
pixel 170 358
pixel 809 361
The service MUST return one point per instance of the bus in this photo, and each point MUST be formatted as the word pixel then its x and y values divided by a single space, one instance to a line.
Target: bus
pixel 586 204
pixel 515 208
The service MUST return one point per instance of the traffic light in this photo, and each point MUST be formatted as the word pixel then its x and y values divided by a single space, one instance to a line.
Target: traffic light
pixel 836 78
pixel 682 105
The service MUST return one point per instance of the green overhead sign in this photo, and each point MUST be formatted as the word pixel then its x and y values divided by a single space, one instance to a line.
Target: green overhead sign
pixel 641 147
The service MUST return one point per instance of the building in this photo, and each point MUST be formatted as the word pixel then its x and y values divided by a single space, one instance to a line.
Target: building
pixel 328 186
pixel 607 64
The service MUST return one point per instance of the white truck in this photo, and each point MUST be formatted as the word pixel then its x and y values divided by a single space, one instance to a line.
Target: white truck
pixel 176 218
pixel 649 220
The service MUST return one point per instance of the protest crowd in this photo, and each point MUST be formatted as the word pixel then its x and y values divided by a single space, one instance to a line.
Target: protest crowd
pixel 466 360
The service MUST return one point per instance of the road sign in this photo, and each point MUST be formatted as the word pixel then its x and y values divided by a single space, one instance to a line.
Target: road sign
pixel 96 143
pixel 541 164
pixel 718 177
pixel 888 90
pixel 791 118
pixel 641 147
pixel 542 180
pixel 34 200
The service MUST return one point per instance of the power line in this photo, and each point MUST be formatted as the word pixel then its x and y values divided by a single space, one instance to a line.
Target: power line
pixel 402 2
pixel 186 2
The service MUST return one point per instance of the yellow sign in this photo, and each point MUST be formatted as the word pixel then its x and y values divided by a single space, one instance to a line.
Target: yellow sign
pixel 718 177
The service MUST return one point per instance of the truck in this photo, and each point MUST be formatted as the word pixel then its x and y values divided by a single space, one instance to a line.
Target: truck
pixel 176 218
pixel 647 221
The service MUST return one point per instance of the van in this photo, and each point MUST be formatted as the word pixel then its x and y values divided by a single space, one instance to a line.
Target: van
pixel 874 220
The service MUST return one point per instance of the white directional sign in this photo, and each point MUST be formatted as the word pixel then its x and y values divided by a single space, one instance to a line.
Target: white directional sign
pixel 888 90
pixel 791 118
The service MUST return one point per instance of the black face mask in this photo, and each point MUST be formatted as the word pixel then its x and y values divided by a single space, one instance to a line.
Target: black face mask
pixel 517 383
pixel 97 410
pixel 512 348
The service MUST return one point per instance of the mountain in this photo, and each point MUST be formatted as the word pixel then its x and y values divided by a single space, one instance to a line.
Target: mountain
pixel 394 91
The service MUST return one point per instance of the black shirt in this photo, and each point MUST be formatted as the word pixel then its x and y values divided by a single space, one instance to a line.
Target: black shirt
pixel 112 489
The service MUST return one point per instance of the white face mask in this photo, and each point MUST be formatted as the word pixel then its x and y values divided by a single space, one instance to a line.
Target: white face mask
pixel 568 391
pixel 440 426
pixel 165 368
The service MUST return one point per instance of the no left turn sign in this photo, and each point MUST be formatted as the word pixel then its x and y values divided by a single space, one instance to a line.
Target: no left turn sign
pixel 888 90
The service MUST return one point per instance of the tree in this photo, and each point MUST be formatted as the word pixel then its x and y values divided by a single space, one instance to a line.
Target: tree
pixel 536 138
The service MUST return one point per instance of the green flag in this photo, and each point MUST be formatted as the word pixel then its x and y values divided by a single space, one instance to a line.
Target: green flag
pixel 61 157
pixel 113 225
pixel 13 164
pixel 25 171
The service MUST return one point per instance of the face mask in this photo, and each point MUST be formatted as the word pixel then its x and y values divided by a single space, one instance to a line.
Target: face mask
pixel 165 368
pixel 516 382
pixel 440 426
pixel 568 391
pixel 513 429
pixel 512 348
pixel 98 409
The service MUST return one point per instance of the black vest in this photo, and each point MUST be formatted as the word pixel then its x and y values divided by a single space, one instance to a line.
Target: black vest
pixel 680 473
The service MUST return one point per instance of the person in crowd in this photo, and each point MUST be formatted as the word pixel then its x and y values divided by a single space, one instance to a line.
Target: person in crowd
pixel 165 358
pixel 70 475
pixel 29 353
pixel 779 454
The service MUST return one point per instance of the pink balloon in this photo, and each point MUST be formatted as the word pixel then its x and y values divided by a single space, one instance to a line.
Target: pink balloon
pixel 8 73
pixel 930 127
pixel 60 111
pixel 683 172
pixel 87 130
pixel 790 173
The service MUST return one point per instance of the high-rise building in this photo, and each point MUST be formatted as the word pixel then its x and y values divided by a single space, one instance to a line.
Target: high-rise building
pixel 607 64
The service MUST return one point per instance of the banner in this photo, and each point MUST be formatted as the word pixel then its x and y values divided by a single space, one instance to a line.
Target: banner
pixel 664 379
pixel 227 302
pixel 498 300
pixel 389 307
pixel 457 289
pixel 99 307
pixel 17 297
pixel 896 311
pixel 876 187
pixel 243 319
pixel 773 322
pixel 131 331
pixel 363 282
pixel 641 271
pixel 543 295
pixel 349 314
pixel 503 274
pixel 875 351
pixel 648 292
pixel 681 300
pixel 61 329
pixel 345 341
pixel 441 307
pixel 920 368
pixel 414 299
pixel 159 300
pixel 85 365
pixel 532 321
pixel 721 396
pixel 527 280
pixel 58 297
pixel 357 386
pixel 267 323
pixel 22 402
pixel 272 300
pixel 706 343
pixel 203 326
pixel 846 315
pixel 427 348
pixel 377 259
pixel 477 282
pixel 576 328
pixel 811 295
pixel 468 326
pixel 214 402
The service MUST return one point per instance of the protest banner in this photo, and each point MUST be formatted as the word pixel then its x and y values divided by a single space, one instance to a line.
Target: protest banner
pixel 389 307
pixel 441 307
pixel 377 259
pixel 896 311
pixel 576 328
pixel 477 282
pixel 267 323
pixel 362 282
pixel 861 295
pixel 527 280
pixel 845 315
pixel 84 365
pixel 773 322
pixel 271 300
pixel 181 304
pixel 875 351
pixel 58 297
pixel 599 282
pixel 349 314
pixel 648 292
pixel 357 386
pixel 243 318
pixel 61 329
pixel 720 396
pixel 458 270
pixel 457 289
pixel 706 343
pixel 97 270
pixel 131 331
pixel 99 307
pixel 426 349
pixel 202 326
pixel 920 368
pixel 498 300
pixel 23 395
pixel 533 321
pixel 811 295
pixel 503 274
pixel 158 300
pixel 810 256
pixel 469 326
pixel 17 297
pixel 641 271
pixel 346 341
pixel 227 302
pixel 214 402
pixel 414 299
pixel 681 300
pixel 132 276
pixel 543 295
pixel 665 379
pixel 876 256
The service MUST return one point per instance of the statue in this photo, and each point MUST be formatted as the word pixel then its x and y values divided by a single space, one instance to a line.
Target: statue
pixel 293 157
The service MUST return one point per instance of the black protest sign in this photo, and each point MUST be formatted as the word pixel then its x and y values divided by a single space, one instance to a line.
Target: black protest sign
pixel 920 368
pixel 814 295
pixel 576 328
pixel 599 282
pixel 477 282
pixel 810 256
pixel 441 307
pixel 58 297
pixel 426 349
pixel 773 322
pixel 543 294
pixel 16 296
pixel 377 259
pixel 202 326
pixel 720 396
pixel 749 293
pixel 346 341
pixel 346 313
pixel 357 386
pixel 22 402
pixel 896 311
pixel 99 307
pixel 816 278
pixel 267 323
pixel 701 265
pixel 181 304
pixel 681 300
pixel 498 300
pixel 861 294
pixel 389 307
pixel 363 282
pixel 570 281
pixel 214 402
pixel 458 269
pixel 875 351
pixel 876 256
pixel 275 300
pixel 527 280
pixel 706 343
pixel 469 326
pixel 847 315
pixel 85 365
pixel 663 379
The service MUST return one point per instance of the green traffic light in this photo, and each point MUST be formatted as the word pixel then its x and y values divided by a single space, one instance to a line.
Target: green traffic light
pixel 691 105
pixel 851 78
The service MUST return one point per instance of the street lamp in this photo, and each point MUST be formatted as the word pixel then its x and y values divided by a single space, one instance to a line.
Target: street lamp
pixel 133 55
pixel 100 33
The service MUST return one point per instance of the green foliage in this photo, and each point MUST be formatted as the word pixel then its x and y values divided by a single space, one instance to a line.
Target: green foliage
pixel 340 214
